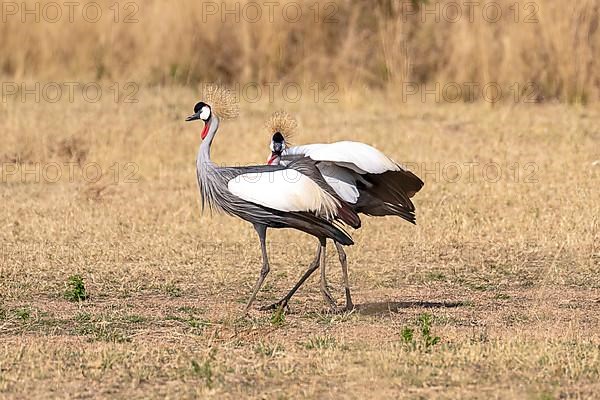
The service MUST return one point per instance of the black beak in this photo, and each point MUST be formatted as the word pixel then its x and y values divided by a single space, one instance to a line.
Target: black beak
pixel 193 117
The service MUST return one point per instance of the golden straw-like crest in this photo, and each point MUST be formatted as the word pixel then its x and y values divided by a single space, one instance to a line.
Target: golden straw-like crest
pixel 282 122
pixel 221 100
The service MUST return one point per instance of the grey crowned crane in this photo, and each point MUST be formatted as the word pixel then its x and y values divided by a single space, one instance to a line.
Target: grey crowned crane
pixel 362 176
pixel 268 196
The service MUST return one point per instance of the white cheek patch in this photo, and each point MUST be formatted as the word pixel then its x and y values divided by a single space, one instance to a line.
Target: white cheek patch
pixel 271 146
pixel 205 113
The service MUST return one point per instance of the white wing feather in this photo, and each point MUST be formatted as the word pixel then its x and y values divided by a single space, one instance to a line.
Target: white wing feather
pixel 284 190
pixel 341 180
pixel 356 156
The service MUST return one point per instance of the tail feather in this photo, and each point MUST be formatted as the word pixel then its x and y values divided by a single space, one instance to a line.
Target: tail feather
pixel 389 193
pixel 374 206
pixel 395 187
pixel 409 182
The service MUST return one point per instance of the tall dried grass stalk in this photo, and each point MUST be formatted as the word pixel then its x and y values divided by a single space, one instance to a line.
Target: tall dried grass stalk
pixel 355 44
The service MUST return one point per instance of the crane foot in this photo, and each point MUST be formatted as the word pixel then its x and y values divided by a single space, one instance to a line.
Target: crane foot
pixel 349 307
pixel 281 303
pixel 328 297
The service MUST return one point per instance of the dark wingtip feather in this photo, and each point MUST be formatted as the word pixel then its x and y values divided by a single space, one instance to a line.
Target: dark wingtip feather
pixel 410 183
pixel 348 216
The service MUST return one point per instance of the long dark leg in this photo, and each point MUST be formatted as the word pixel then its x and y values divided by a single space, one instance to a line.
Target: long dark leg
pixel 311 269
pixel 342 254
pixel 262 235
pixel 324 290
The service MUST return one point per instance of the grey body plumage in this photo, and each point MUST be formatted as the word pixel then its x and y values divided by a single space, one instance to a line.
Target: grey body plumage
pixel 371 183
pixel 214 184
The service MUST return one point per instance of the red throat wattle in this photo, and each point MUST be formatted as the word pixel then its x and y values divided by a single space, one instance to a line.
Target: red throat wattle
pixel 272 159
pixel 205 130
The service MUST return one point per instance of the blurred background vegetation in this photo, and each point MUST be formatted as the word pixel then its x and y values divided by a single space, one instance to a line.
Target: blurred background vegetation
pixel 383 44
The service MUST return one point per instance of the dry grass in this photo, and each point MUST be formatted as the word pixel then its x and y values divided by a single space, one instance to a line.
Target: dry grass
pixel 509 270
pixel 554 45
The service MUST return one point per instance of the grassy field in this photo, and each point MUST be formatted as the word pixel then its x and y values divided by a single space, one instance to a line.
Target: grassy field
pixel 503 266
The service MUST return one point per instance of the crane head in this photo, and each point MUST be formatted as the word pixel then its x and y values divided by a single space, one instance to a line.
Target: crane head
pixel 277 147
pixel 201 111
pixel 283 126
pixel 277 143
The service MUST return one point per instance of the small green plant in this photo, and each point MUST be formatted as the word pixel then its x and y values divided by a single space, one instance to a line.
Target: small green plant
pixel 408 334
pixel 425 322
pixel 427 340
pixel 75 291
pixel 278 317
pixel 22 313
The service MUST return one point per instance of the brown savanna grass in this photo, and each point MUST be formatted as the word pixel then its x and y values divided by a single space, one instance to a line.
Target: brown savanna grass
pixel 543 49
pixel 507 266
